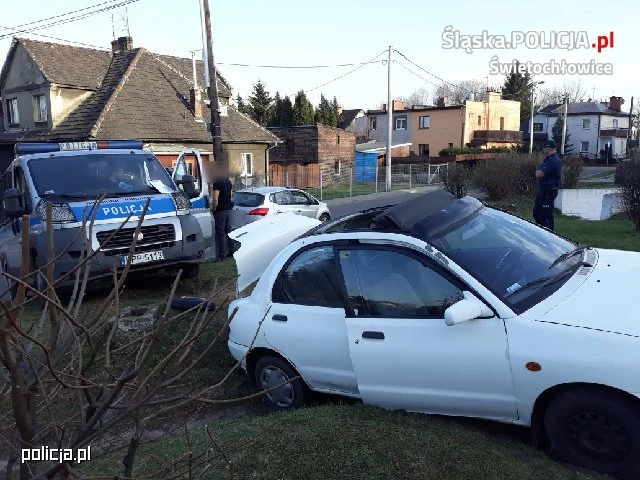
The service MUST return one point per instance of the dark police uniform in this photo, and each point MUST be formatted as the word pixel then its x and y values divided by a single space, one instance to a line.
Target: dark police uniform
pixel 549 184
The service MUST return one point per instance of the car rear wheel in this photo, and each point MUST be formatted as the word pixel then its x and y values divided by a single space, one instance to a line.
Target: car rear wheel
pixel 272 371
pixel 596 429
pixel 324 218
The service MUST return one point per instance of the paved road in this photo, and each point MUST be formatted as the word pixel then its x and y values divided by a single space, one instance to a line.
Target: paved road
pixel 346 206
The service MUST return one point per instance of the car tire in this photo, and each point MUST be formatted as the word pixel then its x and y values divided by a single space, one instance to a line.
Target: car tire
pixel 596 429
pixel 271 371
pixel 190 270
pixel 324 218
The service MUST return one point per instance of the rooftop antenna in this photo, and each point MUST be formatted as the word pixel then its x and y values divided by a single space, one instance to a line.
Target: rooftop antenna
pixel 113 28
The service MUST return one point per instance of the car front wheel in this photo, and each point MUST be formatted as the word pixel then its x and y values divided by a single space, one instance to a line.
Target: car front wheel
pixel 596 429
pixel 272 375
pixel 324 218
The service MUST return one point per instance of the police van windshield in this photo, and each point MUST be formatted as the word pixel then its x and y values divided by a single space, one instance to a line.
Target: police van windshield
pixel 94 175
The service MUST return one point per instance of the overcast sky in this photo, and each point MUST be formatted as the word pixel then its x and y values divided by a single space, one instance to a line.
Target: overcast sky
pixel 331 32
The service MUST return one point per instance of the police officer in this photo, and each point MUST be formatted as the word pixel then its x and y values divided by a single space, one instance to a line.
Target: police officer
pixel 549 176
pixel 220 191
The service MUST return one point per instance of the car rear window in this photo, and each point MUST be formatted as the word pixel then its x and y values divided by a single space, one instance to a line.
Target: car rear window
pixel 245 199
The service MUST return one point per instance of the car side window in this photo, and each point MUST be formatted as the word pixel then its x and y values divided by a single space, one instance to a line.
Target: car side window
pixel 19 181
pixel 6 185
pixel 311 278
pixel 394 284
pixel 299 198
pixel 282 198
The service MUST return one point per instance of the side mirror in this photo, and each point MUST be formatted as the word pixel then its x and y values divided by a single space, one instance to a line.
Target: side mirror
pixel 14 203
pixel 465 310
pixel 188 183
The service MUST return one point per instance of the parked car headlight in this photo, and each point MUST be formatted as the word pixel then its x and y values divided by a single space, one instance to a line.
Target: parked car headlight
pixel 182 201
pixel 60 212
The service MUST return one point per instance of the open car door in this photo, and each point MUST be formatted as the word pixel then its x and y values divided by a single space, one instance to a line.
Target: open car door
pixel 189 162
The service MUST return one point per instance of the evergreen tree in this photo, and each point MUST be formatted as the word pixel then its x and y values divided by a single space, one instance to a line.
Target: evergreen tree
pixel 517 86
pixel 556 132
pixel 286 116
pixel 275 119
pixel 302 110
pixel 335 117
pixel 323 112
pixel 241 105
pixel 260 104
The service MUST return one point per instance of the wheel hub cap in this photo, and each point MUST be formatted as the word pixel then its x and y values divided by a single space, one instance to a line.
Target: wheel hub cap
pixel 271 377
pixel 598 435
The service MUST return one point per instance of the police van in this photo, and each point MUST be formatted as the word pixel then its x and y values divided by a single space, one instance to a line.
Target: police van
pixel 73 177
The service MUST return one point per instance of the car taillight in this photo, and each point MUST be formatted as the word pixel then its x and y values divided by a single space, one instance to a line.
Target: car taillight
pixel 259 211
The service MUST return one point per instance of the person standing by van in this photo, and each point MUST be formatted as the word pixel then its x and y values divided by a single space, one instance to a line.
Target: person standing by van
pixel 220 205
pixel 549 176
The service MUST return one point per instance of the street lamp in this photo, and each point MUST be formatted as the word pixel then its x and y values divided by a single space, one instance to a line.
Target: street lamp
pixel 533 90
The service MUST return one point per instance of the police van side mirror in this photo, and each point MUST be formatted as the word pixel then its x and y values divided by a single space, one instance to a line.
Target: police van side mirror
pixel 188 183
pixel 14 203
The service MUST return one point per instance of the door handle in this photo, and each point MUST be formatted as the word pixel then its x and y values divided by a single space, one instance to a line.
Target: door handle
pixel 299 211
pixel 279 318
pixel 374 335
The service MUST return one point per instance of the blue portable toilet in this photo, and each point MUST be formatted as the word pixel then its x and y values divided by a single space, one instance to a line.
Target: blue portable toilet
pixel 366 167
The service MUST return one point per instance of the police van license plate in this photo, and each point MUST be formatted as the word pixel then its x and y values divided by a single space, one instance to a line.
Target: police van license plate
pixel 143 257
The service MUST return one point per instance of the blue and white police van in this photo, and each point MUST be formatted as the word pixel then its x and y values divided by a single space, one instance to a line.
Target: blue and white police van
pixel 73 177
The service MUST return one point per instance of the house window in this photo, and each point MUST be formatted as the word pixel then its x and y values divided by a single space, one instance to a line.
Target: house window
pixel 247 164
pixel 537 127
pixel 12 112
pixel 39 108
pixel 372 123
pixel 424 122
pixel 501 123
pixel 336 167
pixel 586 123
pixel 401 123
pixel 584 146
pixel 423 149
pixel 479 120
pixel 615 123
pixel 450 145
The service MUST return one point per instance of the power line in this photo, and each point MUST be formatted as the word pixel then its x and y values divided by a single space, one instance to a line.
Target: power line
pixel 432 74
pixel 295 66
pixel 69 20
pixel 416 74
pixel 57 16
pixel 67 41
pixel 373 60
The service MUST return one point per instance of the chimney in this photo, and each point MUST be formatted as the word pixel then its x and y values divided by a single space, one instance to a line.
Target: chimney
pixel 441 102
pixel 398 105
pixel 615 103
pixel 339 110
pixel 122 44
pixel 195 102
pixel 384 107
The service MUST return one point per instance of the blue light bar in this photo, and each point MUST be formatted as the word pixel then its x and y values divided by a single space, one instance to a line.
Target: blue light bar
pixel 48 147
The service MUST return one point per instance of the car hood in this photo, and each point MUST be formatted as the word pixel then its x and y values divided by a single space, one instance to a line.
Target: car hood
pixel 261 241
pixel 603 301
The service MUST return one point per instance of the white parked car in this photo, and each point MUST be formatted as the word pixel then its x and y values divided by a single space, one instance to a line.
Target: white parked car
pixel 447 306
pixel 251 204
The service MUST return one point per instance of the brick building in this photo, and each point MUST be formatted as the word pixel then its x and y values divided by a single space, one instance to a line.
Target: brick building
pixel 309 151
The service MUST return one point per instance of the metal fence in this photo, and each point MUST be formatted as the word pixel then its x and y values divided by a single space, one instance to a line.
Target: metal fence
pixel 327 183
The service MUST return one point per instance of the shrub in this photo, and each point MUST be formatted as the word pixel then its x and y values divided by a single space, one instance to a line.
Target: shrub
pixel 630 192
pixel 571 169
pixel 458 179
pixel 526 182
pixel 498 178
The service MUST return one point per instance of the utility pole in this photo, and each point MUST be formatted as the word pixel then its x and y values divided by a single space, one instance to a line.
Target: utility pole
pixel 628 151
pixel 533 111
pixel 389 124
pixel 216 134
pixel 564 124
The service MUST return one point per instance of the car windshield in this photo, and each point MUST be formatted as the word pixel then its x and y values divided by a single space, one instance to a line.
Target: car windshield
pixel 95 174
pixel 247 199
pixel 519 262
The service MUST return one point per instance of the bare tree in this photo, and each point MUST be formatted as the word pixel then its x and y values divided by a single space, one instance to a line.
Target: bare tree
pixel 72 379
pixel 420 96
pixel 459 91
pixel 574 89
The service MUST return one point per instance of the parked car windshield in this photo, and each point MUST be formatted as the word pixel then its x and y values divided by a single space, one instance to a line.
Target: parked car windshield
pixel 91 175
pixel 519 262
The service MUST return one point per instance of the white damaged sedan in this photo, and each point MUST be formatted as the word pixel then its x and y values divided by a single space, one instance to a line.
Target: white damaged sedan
pixel 446 306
